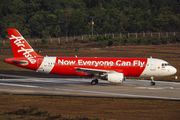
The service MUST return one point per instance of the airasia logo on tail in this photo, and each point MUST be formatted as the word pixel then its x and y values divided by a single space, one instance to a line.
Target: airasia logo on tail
pixel 19 42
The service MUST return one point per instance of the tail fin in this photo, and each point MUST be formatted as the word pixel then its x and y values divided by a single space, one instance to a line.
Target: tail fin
pixel 20 46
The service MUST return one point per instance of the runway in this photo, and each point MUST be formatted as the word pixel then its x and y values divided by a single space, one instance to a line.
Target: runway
pixel 132 88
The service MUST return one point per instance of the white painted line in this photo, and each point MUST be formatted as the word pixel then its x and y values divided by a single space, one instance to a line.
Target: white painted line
pixel 158 88
pixel 152 88
pixel 24 77
pixel 163 82
pixel 56 80
pixel 84 91
pixel 17 85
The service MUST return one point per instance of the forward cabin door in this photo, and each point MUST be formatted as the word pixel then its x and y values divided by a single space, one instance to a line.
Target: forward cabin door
pixel 153 65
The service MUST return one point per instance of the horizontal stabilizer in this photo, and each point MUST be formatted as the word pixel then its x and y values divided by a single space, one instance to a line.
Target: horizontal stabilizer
pixel 22 62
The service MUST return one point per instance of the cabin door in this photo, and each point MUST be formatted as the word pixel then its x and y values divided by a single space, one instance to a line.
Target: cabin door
pixel 153 65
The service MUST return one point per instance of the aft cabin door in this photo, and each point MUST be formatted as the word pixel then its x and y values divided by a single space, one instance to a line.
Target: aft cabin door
pixel 39 62
pixel 153 65
pixel 44 65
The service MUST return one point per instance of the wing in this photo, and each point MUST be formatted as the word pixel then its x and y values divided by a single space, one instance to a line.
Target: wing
pixel 89 71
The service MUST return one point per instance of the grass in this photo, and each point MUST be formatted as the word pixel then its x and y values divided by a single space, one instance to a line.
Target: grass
pixel 45 107
pixel 33 113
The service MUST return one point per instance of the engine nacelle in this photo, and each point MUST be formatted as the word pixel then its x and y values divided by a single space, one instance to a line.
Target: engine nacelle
pixel 114 77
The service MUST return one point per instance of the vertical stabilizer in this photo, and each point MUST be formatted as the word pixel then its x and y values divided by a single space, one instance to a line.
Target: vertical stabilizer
pixel 20 46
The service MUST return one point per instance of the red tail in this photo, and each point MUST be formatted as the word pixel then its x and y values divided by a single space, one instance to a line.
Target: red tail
pixel 20 46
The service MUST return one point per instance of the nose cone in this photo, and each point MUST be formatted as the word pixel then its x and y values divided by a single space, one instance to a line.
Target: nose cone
pixel 173 70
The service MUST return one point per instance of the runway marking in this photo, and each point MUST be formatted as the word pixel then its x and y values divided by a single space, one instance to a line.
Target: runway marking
pixel 54 80
pixel 7 75
pixel 151 88
pixel 157 88
pixel 177 83
pixel 85 91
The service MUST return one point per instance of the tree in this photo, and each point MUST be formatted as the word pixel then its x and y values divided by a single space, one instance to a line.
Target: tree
pixel 44 18
pixel 77 24
pixel 57 31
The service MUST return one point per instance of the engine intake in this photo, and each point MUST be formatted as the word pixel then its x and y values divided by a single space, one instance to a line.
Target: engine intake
pixel 114 77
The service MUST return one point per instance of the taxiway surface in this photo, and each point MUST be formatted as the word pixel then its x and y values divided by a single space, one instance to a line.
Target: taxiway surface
pixel 81 87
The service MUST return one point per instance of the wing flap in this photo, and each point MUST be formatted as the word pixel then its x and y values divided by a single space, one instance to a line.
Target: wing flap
pixel 89 71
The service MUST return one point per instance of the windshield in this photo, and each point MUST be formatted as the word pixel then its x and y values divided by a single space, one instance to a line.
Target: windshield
pixel 166 64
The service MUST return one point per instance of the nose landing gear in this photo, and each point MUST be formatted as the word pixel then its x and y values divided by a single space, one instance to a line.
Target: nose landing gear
pixel 152 81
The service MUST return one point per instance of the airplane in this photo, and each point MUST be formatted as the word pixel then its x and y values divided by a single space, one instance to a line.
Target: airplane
pixel 114 70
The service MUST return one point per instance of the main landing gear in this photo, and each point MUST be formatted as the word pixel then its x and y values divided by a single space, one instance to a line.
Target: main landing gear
pixel 94 82
pixel 152 81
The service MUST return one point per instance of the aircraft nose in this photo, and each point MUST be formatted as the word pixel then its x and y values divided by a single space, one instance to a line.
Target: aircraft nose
pixel 173 70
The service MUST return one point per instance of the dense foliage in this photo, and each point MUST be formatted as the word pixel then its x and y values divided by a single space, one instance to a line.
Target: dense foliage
pixel 44 18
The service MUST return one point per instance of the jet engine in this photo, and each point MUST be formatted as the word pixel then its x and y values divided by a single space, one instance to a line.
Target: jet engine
pixel 114 77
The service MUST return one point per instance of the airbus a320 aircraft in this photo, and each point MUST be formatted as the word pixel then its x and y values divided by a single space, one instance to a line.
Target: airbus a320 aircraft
pixel 111 69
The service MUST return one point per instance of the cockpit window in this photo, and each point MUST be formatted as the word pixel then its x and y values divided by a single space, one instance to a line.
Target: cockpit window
pixel 166 64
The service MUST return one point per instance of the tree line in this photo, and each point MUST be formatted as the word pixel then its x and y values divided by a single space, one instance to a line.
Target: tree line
pixel 55 18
